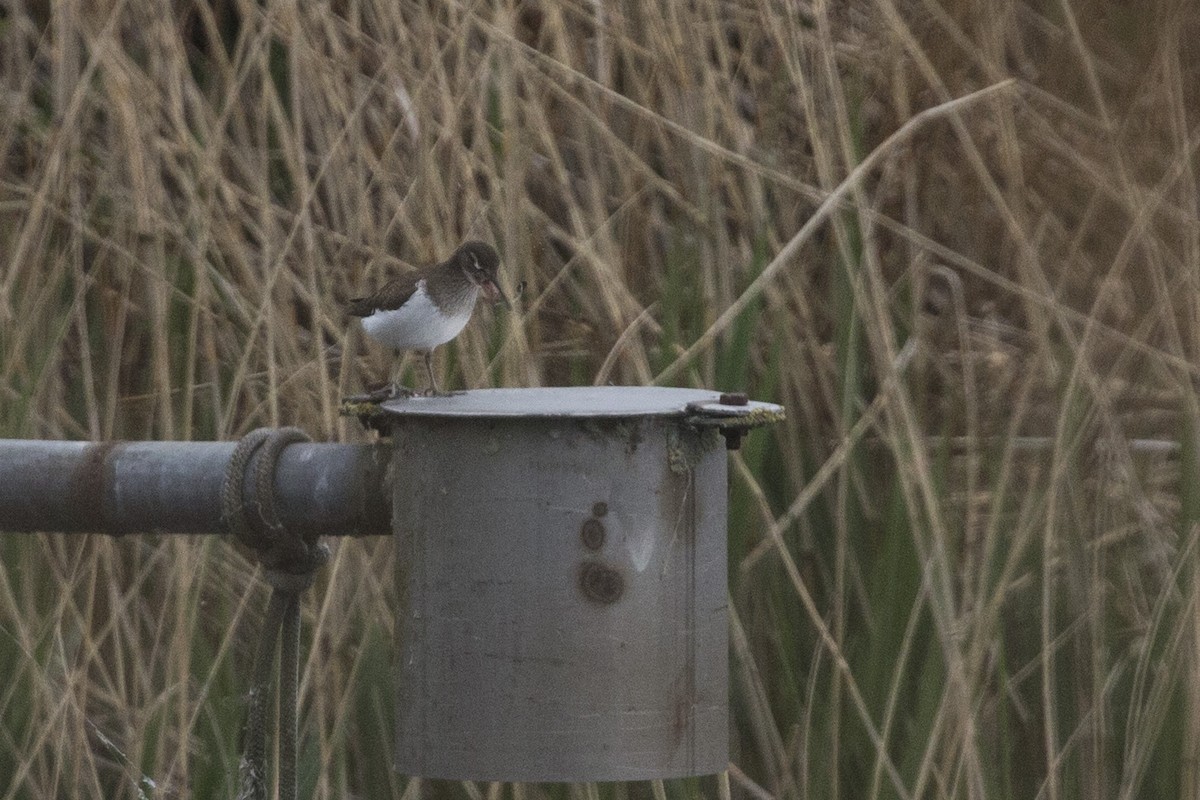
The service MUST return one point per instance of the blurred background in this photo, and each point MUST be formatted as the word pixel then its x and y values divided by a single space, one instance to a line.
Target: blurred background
pixel 959 241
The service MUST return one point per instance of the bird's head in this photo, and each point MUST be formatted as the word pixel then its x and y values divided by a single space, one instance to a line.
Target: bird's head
pixel 480 262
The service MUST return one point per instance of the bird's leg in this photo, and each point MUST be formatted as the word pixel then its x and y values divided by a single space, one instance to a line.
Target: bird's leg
pixel 429 368
pixel 396 389
pixel 397 360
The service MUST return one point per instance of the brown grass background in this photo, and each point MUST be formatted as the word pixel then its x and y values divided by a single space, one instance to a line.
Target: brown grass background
pixel 902 219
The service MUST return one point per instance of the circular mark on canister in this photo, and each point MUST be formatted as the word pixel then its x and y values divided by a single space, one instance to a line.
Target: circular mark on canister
pixel 600 582
pixel 592 534
pixel 599 508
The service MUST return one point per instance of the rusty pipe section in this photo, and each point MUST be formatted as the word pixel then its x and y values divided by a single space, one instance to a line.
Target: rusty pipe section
pixel 175 487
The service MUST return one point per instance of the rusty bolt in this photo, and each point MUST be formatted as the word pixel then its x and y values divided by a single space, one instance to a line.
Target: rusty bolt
pixel 734 399
pixel 592 534
pixel 600 582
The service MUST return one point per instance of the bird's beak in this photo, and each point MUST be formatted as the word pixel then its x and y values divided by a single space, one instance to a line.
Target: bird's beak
pixel 492 290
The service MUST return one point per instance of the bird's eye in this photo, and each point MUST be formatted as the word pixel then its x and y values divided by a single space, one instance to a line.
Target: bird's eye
pixel 475 262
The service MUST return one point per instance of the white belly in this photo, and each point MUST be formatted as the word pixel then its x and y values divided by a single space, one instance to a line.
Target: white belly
pixel 417 325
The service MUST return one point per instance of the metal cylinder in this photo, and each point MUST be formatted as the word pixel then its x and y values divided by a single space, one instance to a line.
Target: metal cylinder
pixel 562 575
pixel 175 487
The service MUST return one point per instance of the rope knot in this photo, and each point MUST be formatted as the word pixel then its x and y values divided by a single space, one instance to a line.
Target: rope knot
pixel 290 564
pixel 295 582
pixel 255 522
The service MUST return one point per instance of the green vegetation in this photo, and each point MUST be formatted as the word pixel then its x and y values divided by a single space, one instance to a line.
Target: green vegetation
pixel 932 230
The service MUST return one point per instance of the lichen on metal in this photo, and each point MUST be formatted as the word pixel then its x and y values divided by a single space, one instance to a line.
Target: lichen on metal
pixel 687 445
pixel 369 413
pixel 741 417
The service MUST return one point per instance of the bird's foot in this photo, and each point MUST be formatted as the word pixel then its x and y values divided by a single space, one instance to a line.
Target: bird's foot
pixel 433 391
pixel 398 392
pixel 390 391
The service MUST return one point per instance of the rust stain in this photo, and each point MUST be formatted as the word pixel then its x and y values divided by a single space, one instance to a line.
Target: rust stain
pixel 600 583
pixel 684 702
pixel 89 485
pixel 592 533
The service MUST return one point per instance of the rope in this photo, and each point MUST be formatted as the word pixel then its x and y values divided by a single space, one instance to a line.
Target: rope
pixel 291 564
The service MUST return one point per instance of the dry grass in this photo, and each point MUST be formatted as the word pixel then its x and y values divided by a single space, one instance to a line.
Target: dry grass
pixel 928 227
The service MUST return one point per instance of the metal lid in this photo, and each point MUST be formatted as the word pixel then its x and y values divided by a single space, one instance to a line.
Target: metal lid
pixel 584 402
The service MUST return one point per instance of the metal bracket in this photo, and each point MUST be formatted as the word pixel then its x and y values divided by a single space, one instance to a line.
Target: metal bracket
pixel 732 414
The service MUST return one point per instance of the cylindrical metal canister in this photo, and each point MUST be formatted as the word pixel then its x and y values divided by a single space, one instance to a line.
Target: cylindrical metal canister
pixel 562 581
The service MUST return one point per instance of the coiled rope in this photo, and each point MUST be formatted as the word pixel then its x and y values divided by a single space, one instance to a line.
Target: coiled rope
pixel 290 564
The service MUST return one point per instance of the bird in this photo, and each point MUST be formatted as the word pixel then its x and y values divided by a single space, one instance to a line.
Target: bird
pixel 429 307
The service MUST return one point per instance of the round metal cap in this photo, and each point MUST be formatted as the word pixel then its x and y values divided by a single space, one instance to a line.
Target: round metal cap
pixel 580 402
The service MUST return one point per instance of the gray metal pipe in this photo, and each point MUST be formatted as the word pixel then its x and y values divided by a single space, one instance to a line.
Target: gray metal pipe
pixel 175 487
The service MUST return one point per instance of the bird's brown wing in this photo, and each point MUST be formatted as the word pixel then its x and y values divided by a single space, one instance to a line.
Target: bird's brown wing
pixel 390 296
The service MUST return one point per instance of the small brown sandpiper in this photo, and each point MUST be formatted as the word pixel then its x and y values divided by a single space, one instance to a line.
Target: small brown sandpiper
pixel 429 307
